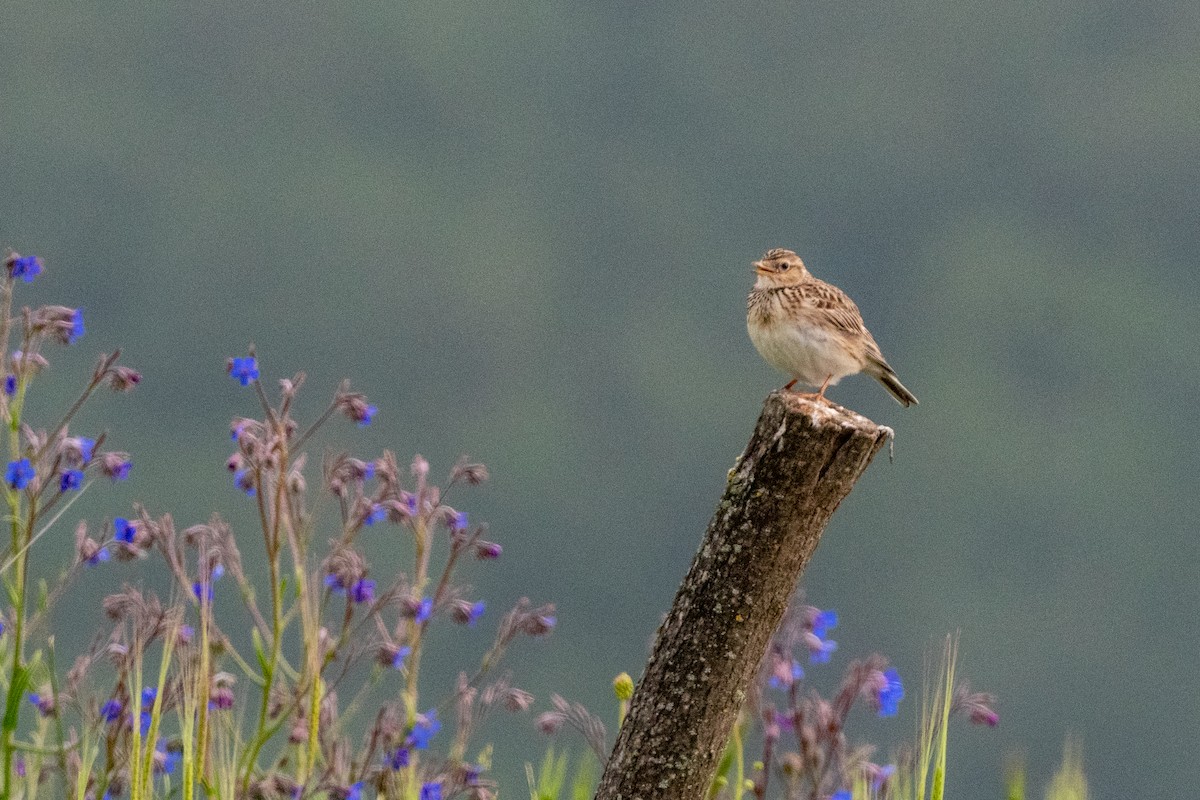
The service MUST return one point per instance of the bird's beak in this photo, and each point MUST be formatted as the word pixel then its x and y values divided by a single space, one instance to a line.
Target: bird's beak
pixel 759 267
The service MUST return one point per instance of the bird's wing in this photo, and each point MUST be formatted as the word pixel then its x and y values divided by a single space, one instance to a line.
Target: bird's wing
pixel 831 305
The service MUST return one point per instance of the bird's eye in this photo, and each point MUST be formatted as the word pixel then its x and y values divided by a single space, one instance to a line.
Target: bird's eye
pixel 784 266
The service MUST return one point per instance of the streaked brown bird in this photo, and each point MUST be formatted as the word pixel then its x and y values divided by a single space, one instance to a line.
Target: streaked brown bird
pixel 811 330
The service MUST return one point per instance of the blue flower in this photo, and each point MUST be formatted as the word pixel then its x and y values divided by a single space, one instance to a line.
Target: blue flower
pixel 459 522
pixel 431 790
pixel 890 696
pixel 244 370
pixel 823 622
pixel 475 612
pixel 19 473
pixel 71 480
pixel 367 415
pixel 355 792
pixel 26 267
pixel 244 480
pixel 10 385
pixel 145 722
pixel 101 555
pixel 165 760
pixel 399 656
pixel 86 448
pixel 124 530
pixel 424 730
pixel 148 695
pixel 76 331
pixel 334 584
pixel 377 514
pixel 784 675
pixel 843 794
pixel 111 711
pixel 363 590
pixel 820 651
pixel 45 705
pixel 424 610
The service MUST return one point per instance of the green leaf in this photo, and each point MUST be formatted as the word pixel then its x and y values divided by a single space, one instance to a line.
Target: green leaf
pixel 15 692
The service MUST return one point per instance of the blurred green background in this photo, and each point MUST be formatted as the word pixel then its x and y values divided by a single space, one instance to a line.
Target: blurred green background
pixel 525 231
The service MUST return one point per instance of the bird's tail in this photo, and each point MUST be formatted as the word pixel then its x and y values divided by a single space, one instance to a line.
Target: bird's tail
pixel 887 376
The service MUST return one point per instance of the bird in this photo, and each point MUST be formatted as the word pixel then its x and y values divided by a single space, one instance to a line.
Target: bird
pixel 811 330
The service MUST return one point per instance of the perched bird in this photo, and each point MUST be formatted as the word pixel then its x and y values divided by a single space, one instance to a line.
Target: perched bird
pixel 811 330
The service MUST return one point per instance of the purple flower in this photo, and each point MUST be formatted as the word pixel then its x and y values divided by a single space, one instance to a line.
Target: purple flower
pixel 424 730
pixel 115 465
pixel 19 473
pixel 10 385
pixel 459 522
pixel 148 696
pixel 243 370
pixel 86 448
pixel 221 698
pixel 487 551
pixel 363 590
pixel 377 513
pixel 25 267
pixel 101 555
pixel 70 480
pixel 111 711
pixel 144 718
pixel 398 759
pixel 431 790
pixel 334 584
pixel 424 610
pixel 124 530
pixel 843 794
pixel 888 697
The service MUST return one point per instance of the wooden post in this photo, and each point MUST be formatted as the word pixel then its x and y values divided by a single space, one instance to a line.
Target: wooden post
pixel 803 459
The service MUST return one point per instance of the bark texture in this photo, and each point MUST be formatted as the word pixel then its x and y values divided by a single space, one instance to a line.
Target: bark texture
pixel 803 459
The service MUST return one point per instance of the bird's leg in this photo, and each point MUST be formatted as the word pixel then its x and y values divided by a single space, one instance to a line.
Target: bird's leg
pixel 821 392
pixel 790 384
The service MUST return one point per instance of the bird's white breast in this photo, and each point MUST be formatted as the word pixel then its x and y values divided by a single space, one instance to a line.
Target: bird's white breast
pixel 806 352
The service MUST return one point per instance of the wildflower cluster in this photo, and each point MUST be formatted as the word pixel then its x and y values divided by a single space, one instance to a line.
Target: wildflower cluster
pixel 174 700
pixel 805 749
pixel 46 468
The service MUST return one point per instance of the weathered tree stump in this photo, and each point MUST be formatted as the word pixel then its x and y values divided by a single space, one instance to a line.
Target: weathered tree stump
pixel 803 459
